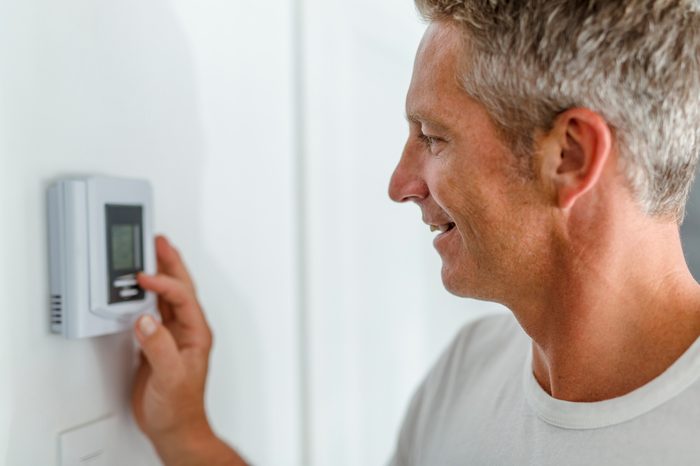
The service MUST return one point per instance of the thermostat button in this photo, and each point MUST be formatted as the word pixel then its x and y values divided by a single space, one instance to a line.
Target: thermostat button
pixel 128 293
pixel 121 283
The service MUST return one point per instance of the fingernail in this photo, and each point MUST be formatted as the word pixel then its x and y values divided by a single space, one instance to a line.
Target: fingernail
pixel 148 326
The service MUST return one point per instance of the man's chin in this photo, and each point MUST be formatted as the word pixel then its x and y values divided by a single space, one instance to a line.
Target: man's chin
pixel 465 286
pixel 455 284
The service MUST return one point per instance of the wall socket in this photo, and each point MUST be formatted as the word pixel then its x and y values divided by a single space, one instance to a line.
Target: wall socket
pixel 89 444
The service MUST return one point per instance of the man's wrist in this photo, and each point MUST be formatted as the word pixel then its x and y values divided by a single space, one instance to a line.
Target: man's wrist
pixel 196 445
pixel 183 445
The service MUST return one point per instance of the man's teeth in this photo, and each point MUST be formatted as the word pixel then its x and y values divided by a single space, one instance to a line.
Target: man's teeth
pixel 442 228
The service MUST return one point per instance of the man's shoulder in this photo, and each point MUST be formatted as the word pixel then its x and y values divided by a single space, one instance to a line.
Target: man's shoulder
pixel 486 337
pixel 494 343
pixel 488 331
pixel 483 353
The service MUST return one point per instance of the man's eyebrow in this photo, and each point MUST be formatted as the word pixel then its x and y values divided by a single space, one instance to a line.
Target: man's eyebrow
pixel 415 117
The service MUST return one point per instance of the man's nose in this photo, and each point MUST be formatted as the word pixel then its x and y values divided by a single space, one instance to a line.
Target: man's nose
pixel 406 182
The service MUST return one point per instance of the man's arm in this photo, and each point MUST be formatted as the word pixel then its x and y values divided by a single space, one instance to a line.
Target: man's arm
pixel 168 395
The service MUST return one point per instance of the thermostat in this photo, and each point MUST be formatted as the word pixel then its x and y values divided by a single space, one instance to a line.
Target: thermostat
pixel 100 237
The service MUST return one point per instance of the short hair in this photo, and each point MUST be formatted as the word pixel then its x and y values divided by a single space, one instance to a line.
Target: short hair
pixel 635 62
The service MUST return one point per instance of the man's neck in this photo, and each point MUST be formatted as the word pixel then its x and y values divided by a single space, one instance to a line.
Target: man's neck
pixel 610 326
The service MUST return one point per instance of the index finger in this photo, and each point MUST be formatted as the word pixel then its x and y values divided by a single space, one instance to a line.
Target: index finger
pixel 181 299
pixel 170 262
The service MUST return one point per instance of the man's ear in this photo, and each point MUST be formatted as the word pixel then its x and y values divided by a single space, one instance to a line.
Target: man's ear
pixel 574 154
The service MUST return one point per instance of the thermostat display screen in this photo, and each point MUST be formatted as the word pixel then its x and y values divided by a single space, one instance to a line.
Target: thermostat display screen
pixel 125 252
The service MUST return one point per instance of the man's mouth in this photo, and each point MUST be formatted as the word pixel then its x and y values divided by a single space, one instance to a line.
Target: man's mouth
pixel 444 228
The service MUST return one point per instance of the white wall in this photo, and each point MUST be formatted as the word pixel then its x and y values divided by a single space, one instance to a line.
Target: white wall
pixel 6 356
pixel 172 92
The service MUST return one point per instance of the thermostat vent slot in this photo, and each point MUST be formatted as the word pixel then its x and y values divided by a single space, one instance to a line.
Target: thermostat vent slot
pixel 56 309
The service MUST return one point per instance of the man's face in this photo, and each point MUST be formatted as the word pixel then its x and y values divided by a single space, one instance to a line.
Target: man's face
pixel 457 169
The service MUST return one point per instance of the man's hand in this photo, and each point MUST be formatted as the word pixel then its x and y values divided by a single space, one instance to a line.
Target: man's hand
pixel 168 396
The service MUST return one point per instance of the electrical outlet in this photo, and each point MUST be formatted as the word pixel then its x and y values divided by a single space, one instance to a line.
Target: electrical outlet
pixel 89 445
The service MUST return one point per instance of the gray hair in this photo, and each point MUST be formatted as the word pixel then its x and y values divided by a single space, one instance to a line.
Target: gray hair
pixel 635 62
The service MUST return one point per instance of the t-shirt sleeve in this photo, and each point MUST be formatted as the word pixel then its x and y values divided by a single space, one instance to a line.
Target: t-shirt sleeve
pixel 429 401
pixel 403 454
pixel 420 409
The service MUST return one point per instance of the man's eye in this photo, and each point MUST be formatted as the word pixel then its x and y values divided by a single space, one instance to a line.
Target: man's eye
pixel 429 141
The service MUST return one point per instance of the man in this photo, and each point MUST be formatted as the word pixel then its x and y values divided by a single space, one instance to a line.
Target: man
pixel 553 144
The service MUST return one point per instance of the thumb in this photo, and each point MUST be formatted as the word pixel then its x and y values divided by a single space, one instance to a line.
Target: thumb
pixel 160 349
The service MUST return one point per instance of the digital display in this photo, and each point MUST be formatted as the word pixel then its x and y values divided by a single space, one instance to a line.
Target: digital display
pixel 124 251
pixel 124 238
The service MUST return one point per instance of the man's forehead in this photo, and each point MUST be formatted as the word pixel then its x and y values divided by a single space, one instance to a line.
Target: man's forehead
pixel 435 83
pixel 440 35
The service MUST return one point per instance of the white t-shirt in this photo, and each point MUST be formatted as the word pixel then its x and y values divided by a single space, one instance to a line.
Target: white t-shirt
pixel 481 405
